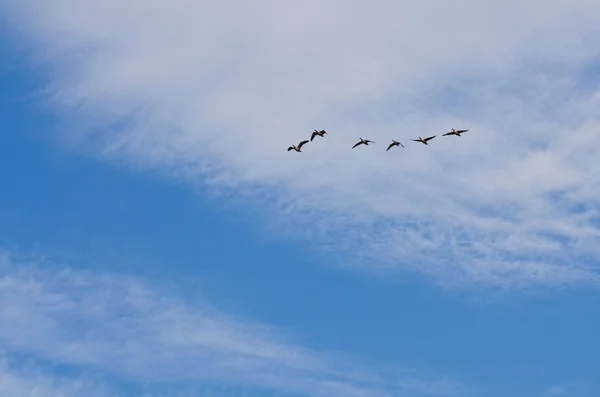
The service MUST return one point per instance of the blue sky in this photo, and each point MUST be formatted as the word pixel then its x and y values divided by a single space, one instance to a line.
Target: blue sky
pixel 140 257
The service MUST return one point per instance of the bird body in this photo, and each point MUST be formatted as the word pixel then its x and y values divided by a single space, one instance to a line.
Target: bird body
pixel 362 142
pixel 424 141
pixel 394 143
pixel 455 132
pixel 299 147
pixel 319 133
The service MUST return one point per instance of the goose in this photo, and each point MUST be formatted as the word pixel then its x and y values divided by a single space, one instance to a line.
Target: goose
pixel 424 141
pixel 394 143
pixel 362 142
pixel 319 133
pixel 299 147
pixel 455 132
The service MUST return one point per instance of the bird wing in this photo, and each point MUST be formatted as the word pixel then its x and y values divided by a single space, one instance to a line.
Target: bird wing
pixel 356 144
pixel 290 148
pixel 461 131
pixel 399 143
pixel 389 147
pixel 302 144
pixel 313 135
pixel 416 140
pixel 449 133
pixel 429 138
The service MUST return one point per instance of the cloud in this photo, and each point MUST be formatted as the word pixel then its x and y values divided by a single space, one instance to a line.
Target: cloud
pixel 215 93
pixel 557 390
pixel 19 381
pixel 120 327
pixel 571 389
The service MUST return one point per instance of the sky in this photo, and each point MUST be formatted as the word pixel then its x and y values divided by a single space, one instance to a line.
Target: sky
pixel 157 238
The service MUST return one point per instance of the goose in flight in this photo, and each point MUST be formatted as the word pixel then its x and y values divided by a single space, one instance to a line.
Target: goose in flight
pixel 424 141
pixel 299 147
pixel 394 143
pixel 319 133
pixel 362 142
pixel 455 132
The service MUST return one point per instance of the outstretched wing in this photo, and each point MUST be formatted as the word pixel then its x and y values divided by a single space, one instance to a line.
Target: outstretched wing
pixel 461 131
pixel 400 143
pixel 389 147
pixel 314 134
pixel 416 140
pixel 302 144
pixel 290 148
pixel 429 138
pixel 449 133
pixel 356 144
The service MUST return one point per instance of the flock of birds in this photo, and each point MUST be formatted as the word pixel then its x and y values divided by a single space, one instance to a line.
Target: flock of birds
pixel 366 142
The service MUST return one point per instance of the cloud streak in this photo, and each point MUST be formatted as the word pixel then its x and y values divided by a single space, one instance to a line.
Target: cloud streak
pixel 28 381
pixel 121 328
pixel 214 93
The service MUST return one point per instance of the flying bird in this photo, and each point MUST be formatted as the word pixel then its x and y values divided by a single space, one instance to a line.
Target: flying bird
pixel 455 132
pixel 319 133
pixel 394 143
pixel 362 142
pixel 424 141
pixel 299 147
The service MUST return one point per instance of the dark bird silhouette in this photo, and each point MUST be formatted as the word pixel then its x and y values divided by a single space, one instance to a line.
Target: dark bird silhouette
pixel 299 147
pixel 319 133
pixel 394 143
pixel 455 132
pixel 362 142
pixel 424 141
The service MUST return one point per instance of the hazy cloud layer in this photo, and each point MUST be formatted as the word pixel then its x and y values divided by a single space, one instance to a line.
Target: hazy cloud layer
pixel 215 92
pixel 119 327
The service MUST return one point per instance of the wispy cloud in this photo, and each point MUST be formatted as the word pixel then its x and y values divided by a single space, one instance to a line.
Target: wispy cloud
pixel 28 381
pixel 570 389
pixel 120 327
pixel 214 93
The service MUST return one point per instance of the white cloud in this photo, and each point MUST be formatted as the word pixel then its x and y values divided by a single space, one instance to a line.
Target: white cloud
pixel 570 389
pixel 18 381
pixel 118 327
pixel 557 390
pixel 215 92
